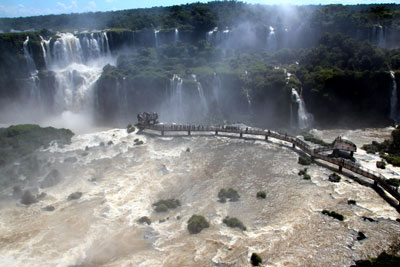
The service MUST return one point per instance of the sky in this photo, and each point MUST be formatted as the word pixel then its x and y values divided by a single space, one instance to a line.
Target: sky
pixel 23 8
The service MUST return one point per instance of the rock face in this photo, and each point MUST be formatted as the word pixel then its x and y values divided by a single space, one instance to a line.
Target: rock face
pixel 197 223
pixel 76 195
pixel 49 208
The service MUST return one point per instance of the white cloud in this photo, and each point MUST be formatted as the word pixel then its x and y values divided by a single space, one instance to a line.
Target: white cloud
pixel 110 1
pixel 91 6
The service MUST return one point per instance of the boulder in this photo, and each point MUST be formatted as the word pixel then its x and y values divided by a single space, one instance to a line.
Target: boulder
pixel 76 195
pixel 51 179
pixel 28 198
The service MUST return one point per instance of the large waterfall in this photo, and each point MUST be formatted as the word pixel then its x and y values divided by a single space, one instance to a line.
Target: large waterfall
pixel 304 119
pixel 393 99
pixel 156 37
pixel 175 110
pixel 203 100
pixel 29 60
pixel 271 40
pixel 176 36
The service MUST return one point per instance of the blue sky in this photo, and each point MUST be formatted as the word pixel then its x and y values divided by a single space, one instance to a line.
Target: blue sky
pixel 18 8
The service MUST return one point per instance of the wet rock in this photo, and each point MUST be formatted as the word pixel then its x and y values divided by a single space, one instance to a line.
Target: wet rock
pixel 28 198
pixel 381 164
pixel 361 236
pixel 49 208
pixel 144 220
pixel 333 214
pixel 255 259
pixel 234 223
pixel 196 224
pixel 70 160
pixel 101 144
pixel 187 149
pixel 110 143
pixel 334 178
pixel 351 202
pixel 261 194
pixel 51 179
pixel 41 196
pixel 76 195
pixel 84 154
pixel 230 194
pixel 368 219
pixel 130 129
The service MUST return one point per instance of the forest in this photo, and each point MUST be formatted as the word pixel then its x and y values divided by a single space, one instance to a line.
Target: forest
pixel 338 57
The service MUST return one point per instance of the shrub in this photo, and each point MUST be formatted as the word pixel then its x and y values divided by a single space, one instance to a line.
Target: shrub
pixel 255 259
pixel 311 138
pixel 144 220
pixel 164 205
pixel 393 182
pixel 381 164
pixel 196 224
pixel 231 193
pixel 303 172
pixel 138 142
pixel 130 128
pixel 334 178
pixel 304 161
pixel 333 214
pixel 261 194
pixel 234 223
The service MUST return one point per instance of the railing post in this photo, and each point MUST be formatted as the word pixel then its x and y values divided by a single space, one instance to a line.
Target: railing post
pixel 216 132
pixel 241 135
pixel 266 137
pixel 189 133
pixel 340 168
pixel 293 145
pixel 162 132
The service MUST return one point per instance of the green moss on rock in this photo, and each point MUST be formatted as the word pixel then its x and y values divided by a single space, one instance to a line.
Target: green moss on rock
pixel 234 223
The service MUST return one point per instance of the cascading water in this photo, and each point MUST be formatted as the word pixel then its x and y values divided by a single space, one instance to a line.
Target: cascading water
pixel 176 39
pixel 203 99
pixel 175 104
pixel 156 37
pixel 216 87
pixel 304 119
pixel 34 90
pixel 393 99
pixel 29 60
pixel 46 51
pixel 271 40
pixel 246 90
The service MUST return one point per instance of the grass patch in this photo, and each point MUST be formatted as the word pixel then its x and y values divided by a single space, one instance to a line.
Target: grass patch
pixel 234 223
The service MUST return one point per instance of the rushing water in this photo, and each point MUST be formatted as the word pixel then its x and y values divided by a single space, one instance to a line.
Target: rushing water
pixel 393 99
pixel 121 181
pixel 304 119
pixel 271 40
pixel 203 100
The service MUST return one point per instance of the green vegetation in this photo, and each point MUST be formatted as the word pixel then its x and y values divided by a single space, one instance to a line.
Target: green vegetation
pixel 261 194
pixel 394 182
pixel 333 214
pixel 144 220
pixel 234 223
pixel 383 260
pixel 196 224
pixel 130 128
pixel 334 178
pixel 311 138
pixel 255 259
pixel 304 160
pixel 164 205
pixel 21 140
pixel 138 142
pixel 230 194
pixel 304 173
pixel 381 164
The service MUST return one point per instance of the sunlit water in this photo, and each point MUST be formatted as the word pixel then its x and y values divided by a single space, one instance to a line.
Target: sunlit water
pixel 120 181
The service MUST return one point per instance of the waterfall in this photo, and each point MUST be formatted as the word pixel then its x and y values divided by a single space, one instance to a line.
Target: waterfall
pixel 105 43
pixel 175 110
pixel 271 40
pixel 393 99
pixel 156 37
pixel 304 119
pixel 203 100
pixel 29 60
pixel 380 37
pixel 46 51
pixel 246 90
pixel 216 88
pixel 67 49
pixel 176 35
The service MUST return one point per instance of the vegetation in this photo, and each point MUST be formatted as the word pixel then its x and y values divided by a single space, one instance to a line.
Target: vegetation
pixel 394 182
pixel 383 260
pixel 21 140
pixel 130 128
pixel 261 194
pixel 334 178
pixel 164 205
pixel 234 223
pixel 351 202
pixel 28 198
pixel 196 224
pixel 304 160
pixel 311 138
pixel 333 214
pixel 144 220
pixel 304 173
pixel 138 142
pixel 230 194
pixel 381 164
pixel 255 259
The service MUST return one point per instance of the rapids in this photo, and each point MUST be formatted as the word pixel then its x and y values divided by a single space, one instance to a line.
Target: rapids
pixel 120 181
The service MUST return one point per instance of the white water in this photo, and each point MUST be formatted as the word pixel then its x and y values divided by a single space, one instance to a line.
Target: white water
pixel 203 100
pixel 175 108
pixel 176 36
pixel 29 60
pixel 216 87
pixel 271 40
pixel 304 119
pixel 393 99
pixel 121 181
pixel 156 37
pixel 246 90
